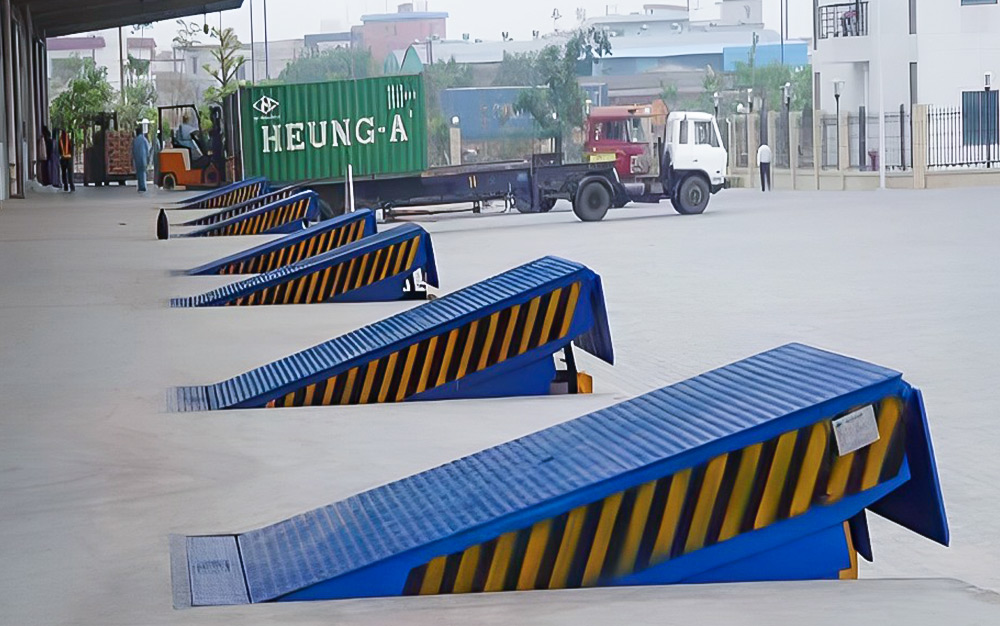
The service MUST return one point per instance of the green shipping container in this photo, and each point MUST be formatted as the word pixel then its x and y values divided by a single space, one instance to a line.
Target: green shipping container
pixel 313 131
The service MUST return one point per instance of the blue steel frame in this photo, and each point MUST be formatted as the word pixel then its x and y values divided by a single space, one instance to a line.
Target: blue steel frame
pixel 501 380
pixel 221 191
pixel 206 220
pixel 524 374
pixel 294 226
pixel 387 290
pixel 811 545
pixel 366 215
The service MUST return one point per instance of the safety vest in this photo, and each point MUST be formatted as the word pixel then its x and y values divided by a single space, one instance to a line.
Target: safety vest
pixel 65 146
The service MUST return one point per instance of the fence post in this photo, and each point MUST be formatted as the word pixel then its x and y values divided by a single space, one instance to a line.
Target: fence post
pixel 844 149
pixel 794 120
pixel 817 146
pixel 733 146
pixel 918 117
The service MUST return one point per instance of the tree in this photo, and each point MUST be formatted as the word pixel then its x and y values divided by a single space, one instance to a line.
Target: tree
pixel 63 71
pixel 768 80
pixel 228 62
pixel 559 107
pixel 438 77
pixel 139 99
pixel 188 35
pixel 334 64
pixel 518 70
pixel 86 95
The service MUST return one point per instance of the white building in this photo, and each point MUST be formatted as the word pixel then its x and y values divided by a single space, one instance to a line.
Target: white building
pixel 931 51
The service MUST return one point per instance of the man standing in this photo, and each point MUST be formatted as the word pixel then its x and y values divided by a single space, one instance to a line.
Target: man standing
pixel 66 160
pixel 140 158
pixel 764 160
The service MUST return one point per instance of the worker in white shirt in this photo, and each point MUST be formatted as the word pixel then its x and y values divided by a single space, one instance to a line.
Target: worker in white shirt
pixel 764 159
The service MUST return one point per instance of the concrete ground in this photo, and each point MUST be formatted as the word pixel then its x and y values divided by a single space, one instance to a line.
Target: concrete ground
pixel 95 474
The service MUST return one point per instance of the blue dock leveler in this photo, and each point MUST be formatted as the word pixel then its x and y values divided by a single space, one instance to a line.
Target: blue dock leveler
pixel 379 268
pixel 228 195
pixel 280 217
pixel 760 470
pixel 246 206
pixel 495 338
pixel 316 240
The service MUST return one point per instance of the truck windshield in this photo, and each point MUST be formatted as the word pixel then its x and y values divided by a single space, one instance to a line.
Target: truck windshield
pixel 629 131
pixel 637 134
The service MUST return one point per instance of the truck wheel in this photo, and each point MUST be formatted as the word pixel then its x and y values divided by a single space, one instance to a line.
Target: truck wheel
pixel 169 182
pixel 692 197
pixel 592 202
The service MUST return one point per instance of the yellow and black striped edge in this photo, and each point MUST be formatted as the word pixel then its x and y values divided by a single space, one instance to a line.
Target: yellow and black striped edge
pixel 241 208
pixel 236 196
pixel 264 221
pixel 446 358
pixel 314 246
pixel 731 494
pixel 335 280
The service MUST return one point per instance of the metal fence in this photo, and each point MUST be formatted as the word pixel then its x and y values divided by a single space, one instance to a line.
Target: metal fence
pixel 739 125
pixel 863 141
pixel 829 139
pixel 779 143
pixel 806 139
pixel 965 136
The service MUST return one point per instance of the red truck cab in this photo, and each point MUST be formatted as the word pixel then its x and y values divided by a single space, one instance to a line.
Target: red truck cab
pixel 626 135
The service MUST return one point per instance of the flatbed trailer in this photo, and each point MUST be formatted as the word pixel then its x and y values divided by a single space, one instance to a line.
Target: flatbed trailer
pixel 592 188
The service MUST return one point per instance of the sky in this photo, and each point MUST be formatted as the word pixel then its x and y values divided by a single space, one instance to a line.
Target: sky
pixel 482 19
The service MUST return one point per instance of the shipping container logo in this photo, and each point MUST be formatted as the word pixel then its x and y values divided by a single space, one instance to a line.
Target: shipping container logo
pixel 266 105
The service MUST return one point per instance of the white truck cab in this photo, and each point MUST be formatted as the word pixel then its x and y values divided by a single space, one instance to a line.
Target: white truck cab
pixel 694 161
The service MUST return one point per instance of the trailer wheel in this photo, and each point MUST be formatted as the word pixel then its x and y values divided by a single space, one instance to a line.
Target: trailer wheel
pixel 692 197
pixel 592 202
pixel 522 207
pixel 169 182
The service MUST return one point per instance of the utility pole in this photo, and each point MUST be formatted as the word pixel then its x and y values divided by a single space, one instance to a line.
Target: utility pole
pixel 783 7
pixel 121 66
pixel 267 55
pixel 881 100
pixel 253 46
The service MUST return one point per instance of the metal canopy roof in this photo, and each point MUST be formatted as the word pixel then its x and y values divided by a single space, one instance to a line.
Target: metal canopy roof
pixel 55 18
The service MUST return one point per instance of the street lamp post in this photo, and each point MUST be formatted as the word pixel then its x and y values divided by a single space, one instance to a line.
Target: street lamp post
pixel 993 122
pixel 267 55
pixel 253 60
pixel 838 85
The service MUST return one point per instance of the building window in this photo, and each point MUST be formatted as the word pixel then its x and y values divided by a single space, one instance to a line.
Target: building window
pixel 979 2
pixel 980 117
pixel 913 17
pixel 913 84
pixel 194 65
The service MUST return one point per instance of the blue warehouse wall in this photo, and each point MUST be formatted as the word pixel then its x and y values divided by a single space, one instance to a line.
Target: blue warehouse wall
pixel 796 55
pixel 487 113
